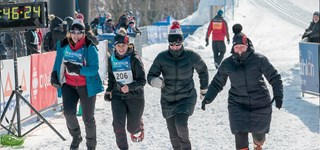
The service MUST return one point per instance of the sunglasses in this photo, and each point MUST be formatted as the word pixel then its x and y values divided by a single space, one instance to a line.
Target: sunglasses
pixel 76 32
pixel 175 43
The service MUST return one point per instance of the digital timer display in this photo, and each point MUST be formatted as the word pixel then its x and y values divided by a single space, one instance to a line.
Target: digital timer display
pixel 23 15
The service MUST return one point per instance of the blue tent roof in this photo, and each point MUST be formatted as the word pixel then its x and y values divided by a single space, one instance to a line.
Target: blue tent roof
pixel 165 21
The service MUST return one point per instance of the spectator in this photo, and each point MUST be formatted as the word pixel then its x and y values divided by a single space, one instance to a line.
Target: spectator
pixel 125 91
pixel 108 26
pixel 132 29
pixel 55 34
pixel 313 32
pixel 75 75
pixel 219 29
pixel 123 22
pixel 178 94
pixel 32 42
pixel 249 101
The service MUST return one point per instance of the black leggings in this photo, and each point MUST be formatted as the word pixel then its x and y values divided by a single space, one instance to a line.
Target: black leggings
pixel 242 139
pixel 179 132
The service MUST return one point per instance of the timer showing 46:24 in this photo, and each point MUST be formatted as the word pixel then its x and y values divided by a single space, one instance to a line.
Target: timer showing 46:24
pixel 19 12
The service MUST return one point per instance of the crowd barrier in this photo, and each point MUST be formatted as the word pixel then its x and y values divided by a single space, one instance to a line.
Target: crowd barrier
pixel 309 67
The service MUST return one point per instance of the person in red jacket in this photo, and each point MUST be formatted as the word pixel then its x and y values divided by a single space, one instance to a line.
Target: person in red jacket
pixel 219 29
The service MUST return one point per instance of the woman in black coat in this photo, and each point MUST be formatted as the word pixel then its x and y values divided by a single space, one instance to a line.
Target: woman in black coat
pixel 125 91
pixel 249 101
pixel 178 95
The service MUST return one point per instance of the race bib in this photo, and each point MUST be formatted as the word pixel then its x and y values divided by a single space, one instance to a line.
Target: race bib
pixel 122 69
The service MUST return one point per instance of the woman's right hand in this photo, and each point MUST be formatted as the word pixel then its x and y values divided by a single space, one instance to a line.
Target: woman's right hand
pixel 108 96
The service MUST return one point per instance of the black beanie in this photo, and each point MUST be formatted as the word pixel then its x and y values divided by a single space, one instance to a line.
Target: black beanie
pixel 77 25
pixel 239 38
pixel 175 33
pixel 121 37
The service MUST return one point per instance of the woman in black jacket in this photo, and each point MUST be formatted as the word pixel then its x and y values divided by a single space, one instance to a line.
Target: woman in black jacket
pixel 249 101
pixel 178 95
pixel 125 91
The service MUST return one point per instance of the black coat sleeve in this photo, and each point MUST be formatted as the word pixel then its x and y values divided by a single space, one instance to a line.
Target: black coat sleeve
pixel 202 70
pixel 273 77
pixel 111 78
pixel 139 75
pixel 155 70
pixel 217 84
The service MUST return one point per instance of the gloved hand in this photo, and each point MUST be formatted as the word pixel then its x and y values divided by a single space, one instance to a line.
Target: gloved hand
pixel 157 82
pixel 203 104
pixel 107 96
pixel 228 41
pixel 72 67
pixel 203 93
pixel 54 79
pixel 207 41
pixel 278 102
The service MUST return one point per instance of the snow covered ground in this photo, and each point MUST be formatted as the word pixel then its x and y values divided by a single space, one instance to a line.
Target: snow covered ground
pixel 273 33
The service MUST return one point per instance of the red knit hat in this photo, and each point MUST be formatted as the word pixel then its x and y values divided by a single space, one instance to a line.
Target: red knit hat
pixel 175 32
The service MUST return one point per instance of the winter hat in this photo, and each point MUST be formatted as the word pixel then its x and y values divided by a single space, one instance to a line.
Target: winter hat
pixel 236 28
pixel 238 38
pixel 121 37
pixel 68 21
pixel 77 25
pixel 175 32
pixel 55 21
pixel 220 12
pixel 316 13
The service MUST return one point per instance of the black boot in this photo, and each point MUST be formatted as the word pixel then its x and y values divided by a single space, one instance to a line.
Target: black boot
pixel 91 148
pixel 75 142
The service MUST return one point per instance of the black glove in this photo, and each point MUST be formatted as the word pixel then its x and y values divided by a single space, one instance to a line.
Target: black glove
pixel 54 79
pixel 107 97
pixel 278 102
pixel 73 67
pixel 207 41
pixel 203 104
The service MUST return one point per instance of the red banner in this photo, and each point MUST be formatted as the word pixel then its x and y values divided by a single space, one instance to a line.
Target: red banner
pixel 43 95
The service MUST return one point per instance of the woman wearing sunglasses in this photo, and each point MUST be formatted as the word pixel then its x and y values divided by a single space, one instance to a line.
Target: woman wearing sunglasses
pixel 75 74
pixel 125 90
pixel 178 95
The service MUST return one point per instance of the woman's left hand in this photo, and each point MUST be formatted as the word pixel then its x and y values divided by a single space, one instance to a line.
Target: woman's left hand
pixel 124 89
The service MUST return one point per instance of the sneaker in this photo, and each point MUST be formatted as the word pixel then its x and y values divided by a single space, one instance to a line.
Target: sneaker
pixel 257 147
pixel 75 142
pixel 138 137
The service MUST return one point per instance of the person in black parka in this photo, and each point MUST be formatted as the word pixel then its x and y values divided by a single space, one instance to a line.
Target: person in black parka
pixel 313 31
pixel 125 91
pixel 178 95
pixel 249 101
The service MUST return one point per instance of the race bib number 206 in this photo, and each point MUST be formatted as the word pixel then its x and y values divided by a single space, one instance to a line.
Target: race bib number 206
pixel 124 77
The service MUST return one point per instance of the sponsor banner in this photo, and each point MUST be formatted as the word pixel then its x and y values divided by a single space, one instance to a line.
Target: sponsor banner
pixel 8 85
pixel 309 67
pixel 43 95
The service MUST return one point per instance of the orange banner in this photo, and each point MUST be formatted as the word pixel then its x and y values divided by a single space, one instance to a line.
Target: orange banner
pixel 43 95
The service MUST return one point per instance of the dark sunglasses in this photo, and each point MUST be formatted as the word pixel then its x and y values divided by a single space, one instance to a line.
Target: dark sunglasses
pixel 76 32
pixel 175 43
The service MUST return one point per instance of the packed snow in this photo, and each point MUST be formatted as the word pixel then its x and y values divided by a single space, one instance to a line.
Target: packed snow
pixel 295 126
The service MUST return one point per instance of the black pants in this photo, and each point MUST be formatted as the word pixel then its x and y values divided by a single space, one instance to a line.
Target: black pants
pixel 124 109
pixel 179 132
pixel 242 139
pixel 219 49
pixel 70 97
